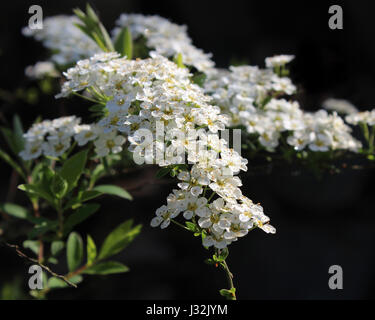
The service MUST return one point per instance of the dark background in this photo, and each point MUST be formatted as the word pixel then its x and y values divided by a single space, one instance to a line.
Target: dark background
pixel 320 222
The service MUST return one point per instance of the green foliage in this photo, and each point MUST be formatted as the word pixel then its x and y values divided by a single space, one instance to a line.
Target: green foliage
pixel 41 228
pixel 107 267
pixel 179 61
pixel 80 215
pixel 92 27
pixel 37 191
pixel 8 159
pixel 228 294
pixel 32 245
pixel 118 239
pixel 19 141
pixel 15 210
pixel 162 172
pixel 91 250
pixel 192 226
pixel 172 170
pixel 14 138
pixel 199 78
pixel 59 186
pixel 56 247
pixel 113 190
pixel 73 168
pixel 124 43
pixel 12 290
pixel 74 252
pixel 222 255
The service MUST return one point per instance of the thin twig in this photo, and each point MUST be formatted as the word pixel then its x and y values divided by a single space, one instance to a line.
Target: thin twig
pixel 229 277
pixel 22 255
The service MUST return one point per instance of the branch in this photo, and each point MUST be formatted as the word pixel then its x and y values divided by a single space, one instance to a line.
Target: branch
pixel 22 255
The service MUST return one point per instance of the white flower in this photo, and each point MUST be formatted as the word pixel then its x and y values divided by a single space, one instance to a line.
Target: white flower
pixel 41 69
pixel 320 142
pixel 339 105
pixel 194 206
pixel 109 142
pixel 299 140
pixel 60 35
pixel 269 139
pixel 277 61
pixel 85 133
pixel 356 118
pixel 50 138
pixel 33 149
pixel 165 38
pixel 163 217
pixel 55 147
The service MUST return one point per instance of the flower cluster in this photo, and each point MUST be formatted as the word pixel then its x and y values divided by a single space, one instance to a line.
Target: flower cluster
pixel 60 35
pixel 323 132
pixel 142 94
pixel 365 117
pixel 251 97
pixel 54 137
pixel 165 38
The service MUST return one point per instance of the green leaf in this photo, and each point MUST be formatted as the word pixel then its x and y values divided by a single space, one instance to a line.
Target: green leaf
pixel 97 108
pixel 106 37
pixel 7 158
pixel 15 210
pixel 10 139
pixel 33 245
pixel 179 61
pixel 80 215
pixel 76 279
pixel 209 261
pixel 19 141
pixel 73 168
pixel 56 283
pixel 91 250
pixel 97 173
pixel 228 294
pixel 82 197
pixel 99 41
pixel 80 14
pixel 124 43
pixel 42 228
pixel 114 190
pixel 192 226
pixel 94 28
pixel 59 186
pixel 74 252
pixel 118 239
pixel 108 267
pixel 56 247
pixel 89 195
pixel 36 191
pixel 223 254
pixel 199 79
pixel 162 172
pixel 52 260
pixel 91 14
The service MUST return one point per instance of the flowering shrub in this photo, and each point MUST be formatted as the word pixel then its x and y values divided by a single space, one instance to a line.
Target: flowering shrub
pixel 168 107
